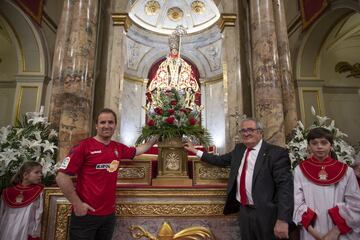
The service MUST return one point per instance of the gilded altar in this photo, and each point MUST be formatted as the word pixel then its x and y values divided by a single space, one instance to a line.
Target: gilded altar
pixel 139 204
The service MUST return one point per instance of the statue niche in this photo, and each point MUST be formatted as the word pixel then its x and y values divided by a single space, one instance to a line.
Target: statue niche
pixel 174 74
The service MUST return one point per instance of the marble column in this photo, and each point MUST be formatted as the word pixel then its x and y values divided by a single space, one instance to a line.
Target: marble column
pixel 287 84
pixel 73 73
pixel 268 101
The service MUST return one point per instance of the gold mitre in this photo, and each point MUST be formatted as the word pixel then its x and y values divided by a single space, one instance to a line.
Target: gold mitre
pixel 174 39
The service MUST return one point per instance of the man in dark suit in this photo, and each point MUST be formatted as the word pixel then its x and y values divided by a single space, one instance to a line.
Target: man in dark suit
pixel 260 184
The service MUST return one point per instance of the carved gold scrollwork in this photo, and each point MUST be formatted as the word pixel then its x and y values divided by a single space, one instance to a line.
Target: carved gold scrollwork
pixel 165 209
pixel 214 173
pixel 62 221
pixel 166 233
pixel 172 161
pixel 131 172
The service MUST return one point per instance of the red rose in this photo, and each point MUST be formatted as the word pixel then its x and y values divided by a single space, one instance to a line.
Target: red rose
pixel 192 121
pixel 173 102
pixel 183 110
pixel 171 111
pixel 170 120
pixel 151 123
pixel 158 111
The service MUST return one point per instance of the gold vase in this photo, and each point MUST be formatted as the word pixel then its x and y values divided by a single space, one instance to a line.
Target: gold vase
pixel 172 164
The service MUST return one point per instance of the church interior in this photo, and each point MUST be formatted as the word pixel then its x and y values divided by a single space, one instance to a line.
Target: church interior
pixel 276 61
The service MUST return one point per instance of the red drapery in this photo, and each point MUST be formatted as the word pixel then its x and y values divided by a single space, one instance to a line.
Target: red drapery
pixel 311 10
pixel 33 8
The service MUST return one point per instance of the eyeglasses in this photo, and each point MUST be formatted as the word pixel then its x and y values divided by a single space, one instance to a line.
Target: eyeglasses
pixel 248 130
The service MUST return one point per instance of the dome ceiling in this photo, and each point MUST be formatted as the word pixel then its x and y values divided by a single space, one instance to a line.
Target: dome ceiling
pixel 162 16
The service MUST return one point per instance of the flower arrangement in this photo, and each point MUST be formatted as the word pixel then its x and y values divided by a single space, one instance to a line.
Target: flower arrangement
pixel 30 140
pixel 298 149
pixel 173 113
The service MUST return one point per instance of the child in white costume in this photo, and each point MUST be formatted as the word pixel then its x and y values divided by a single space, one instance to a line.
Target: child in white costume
pixel 327 196
pixel 22 205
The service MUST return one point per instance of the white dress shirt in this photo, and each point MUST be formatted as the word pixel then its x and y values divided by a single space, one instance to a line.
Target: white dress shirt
pixel 249 173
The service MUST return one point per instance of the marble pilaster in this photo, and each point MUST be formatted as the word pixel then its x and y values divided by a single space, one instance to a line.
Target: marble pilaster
pixel 233 100
pixel 287 84
pixel 73 72
pixel 268 101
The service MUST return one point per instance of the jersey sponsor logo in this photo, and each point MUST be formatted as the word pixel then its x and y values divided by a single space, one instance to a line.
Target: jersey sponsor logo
pixel 95 152
pixel 102 166
pixel 110 167
pixel 65 163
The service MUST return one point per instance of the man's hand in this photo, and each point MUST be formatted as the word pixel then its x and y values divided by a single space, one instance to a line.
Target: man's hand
pixel 190 147
pixel 281 229
pixel 82 208
pixel 333 234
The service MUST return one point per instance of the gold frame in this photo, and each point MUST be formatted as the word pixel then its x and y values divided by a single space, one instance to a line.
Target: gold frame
pixel 19 100
pixel 136 167
pixel 211 179
pixel 319 100
pixel 160 202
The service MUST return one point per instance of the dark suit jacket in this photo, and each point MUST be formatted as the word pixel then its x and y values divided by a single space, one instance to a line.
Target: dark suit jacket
pixel 272 186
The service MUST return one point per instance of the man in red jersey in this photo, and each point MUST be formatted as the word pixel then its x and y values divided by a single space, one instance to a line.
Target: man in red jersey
pixel 95 161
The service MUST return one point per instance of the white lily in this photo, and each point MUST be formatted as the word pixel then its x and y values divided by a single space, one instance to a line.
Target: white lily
pixel 49 146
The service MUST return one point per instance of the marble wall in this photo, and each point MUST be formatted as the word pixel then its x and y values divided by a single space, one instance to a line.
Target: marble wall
pixel 214 116
pixel 132 115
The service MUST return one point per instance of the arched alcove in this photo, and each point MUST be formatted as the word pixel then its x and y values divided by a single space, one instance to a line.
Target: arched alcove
pixel 332 39
pixel 22 84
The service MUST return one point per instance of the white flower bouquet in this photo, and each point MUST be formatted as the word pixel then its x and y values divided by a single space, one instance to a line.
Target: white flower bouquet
pixel 30 140
pixel 298 149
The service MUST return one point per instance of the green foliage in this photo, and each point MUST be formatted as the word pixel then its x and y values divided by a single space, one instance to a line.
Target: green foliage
pixel 173 114
pixel 30 140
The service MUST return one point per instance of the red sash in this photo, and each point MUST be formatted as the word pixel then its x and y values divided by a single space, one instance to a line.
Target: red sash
pixel 327 172
pixel 21 196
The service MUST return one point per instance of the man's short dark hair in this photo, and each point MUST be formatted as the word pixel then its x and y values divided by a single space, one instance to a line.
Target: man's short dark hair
pixel 106 110
pixel 320 132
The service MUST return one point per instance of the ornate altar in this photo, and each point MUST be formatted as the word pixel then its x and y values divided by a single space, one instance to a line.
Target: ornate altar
pixel 140 204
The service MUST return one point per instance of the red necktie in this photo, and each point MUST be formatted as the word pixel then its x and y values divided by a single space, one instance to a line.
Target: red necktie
pixel 243 196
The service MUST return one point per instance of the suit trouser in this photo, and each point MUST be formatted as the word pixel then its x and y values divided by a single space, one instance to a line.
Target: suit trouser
pixel 90 227
pixel 253 224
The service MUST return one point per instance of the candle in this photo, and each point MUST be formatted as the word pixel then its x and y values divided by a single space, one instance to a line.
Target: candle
pixel 41 110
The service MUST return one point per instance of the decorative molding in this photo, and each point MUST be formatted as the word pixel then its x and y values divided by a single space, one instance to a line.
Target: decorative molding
pixel 133 78
pixel 63 212
pixel 121 19
pixel 227 20
pixel 134 172
pixel 49 192
pixel 206 174
pixel 218 78
pixel 166 209
pixel 214 173
pixel 187 202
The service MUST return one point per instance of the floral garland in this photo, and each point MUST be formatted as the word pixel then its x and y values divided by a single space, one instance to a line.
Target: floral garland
pixel 30 140
pixel 173 113
pixel 298 147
